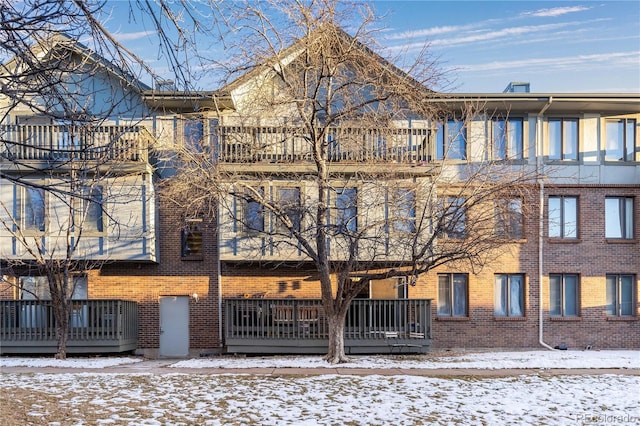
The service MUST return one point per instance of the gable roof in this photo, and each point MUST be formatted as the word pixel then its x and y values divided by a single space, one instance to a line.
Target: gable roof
pixel 63 42
pixel 290 53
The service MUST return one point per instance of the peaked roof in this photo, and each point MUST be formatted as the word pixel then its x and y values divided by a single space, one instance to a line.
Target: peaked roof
pixel 63 41
pixel 298 47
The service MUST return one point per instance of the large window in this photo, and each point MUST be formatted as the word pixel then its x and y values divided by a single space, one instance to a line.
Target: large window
pixel 345 214
pixel 564 295
pixel 89 215
pixel 563 138
pixel 619 217
pixel 507 139
pixel 454 219
pixel 509 220
pixel 621 140
pixel 453 295
pixel 29 208
pixel 563 217
pixel 451 141
pixel 288 199
pixel 509 295
pixel 621 291
pixel 403 210
pixel 253 213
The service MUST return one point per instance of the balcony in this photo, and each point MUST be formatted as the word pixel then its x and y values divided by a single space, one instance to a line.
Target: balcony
pixel 60 143
pixel 95 326
pixel 300 326
pixel 267 148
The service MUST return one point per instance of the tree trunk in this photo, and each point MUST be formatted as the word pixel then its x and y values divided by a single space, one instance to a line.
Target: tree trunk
pixel 62 331
pixel 335 352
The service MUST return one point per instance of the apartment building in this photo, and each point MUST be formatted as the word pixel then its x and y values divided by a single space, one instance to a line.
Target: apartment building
pixel 206 283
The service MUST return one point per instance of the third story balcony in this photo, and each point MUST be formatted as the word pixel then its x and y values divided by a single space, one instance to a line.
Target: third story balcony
pixel 266 149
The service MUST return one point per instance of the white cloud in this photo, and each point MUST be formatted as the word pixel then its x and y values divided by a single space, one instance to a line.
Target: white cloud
pixel 556 11
pixel 133 36
pixel 573 61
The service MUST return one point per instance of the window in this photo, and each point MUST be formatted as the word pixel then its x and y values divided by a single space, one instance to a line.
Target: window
pixel 37 288
pixel 621 293
pixel 563 217
pixel 618 216
pixel 29 208
pixel 89 217
pixel 346 210
pixel 509 220
pixel 563 139
pixel 403 210
pixel 288 199
pixel 451 141
pixel 509 295
pixel 192 239
pixel 194 133
pixel 621 140
pixel 454 220
pixel 563 291
pixel 507 139
pixel 253 213
pixel 452 295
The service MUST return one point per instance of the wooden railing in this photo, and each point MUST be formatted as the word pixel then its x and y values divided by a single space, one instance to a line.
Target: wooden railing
pixel 237 144
pixel 30 326
pixel 299 319
pixel 61 142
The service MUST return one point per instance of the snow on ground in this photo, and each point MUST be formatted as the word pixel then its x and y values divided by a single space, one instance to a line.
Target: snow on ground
pixel 201 398
pixel 482 360
pixel 216 399
pixel 437 360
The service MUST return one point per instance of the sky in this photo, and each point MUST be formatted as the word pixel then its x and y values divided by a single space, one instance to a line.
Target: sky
pixel 482 46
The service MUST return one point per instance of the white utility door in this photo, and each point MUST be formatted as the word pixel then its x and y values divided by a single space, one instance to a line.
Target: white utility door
pixel 174 326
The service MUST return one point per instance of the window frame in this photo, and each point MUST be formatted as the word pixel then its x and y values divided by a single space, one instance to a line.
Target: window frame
pixel 191 231
pixel 22 198
pixel 563 298
pixel 454 210
pixel 614 308
pixel 563 224
pixel 344 219
pixel 627 229
pixel 506 294
pixel 629 143
pixel 447 309
pixel 401 210
pixel 505 226
pixel 252 216
pixel 449 134
pixel 295 213
pixel 562 142
pixel 92 197
pixel 501 133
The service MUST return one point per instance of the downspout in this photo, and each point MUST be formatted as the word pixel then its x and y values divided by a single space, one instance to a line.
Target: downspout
pixel 540 178
pixel 219 277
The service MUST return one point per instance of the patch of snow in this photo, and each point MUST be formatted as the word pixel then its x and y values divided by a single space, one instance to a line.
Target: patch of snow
pixel 71 362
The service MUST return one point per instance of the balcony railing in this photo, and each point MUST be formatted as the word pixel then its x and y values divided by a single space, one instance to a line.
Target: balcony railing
pixel 300 325
pixel 29 326
pixel 61 143
pixel 236 144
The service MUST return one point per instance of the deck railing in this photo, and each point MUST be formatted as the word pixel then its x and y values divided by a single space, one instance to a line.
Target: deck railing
pixel 237 144
pixel 93 324
pixel 252 323
pixel 61 142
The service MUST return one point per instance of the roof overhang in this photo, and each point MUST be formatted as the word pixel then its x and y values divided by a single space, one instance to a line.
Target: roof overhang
pixel 187 102
pixel 605 103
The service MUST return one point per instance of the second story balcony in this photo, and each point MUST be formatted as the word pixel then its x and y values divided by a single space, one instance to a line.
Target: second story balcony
pixel 61 143
pixel 265 148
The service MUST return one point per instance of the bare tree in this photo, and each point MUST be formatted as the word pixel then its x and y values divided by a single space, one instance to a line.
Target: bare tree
pixel 359 133
pixel 61 156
